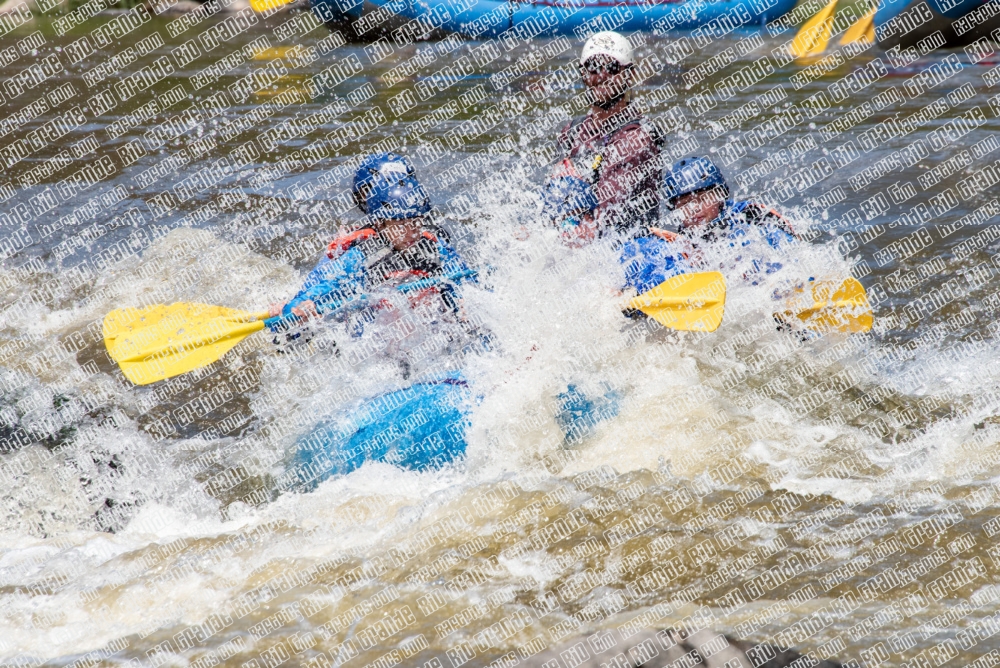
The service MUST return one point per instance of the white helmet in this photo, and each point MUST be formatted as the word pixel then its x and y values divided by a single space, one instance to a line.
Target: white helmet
pixel 608 43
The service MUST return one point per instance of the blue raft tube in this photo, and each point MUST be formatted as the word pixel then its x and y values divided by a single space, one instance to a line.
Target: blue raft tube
pixel 934 24
pixel 540 18
pixel 420 427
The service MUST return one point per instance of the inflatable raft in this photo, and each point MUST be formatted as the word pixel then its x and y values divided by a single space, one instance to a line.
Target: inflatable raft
pixel 539 18
pixel 419 427
pixel 934 24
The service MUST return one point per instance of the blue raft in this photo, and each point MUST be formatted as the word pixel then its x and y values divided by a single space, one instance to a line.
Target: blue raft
pixel 523 20
pixel 934 24
pixel 419 427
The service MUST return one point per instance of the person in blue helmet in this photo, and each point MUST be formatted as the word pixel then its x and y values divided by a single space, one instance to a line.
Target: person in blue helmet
pixel 698 194
pixel 696 191
pixel 392 282
pixel 397 246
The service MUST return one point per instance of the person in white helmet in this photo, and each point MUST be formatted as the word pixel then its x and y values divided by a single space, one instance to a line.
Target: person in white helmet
pixel 613 146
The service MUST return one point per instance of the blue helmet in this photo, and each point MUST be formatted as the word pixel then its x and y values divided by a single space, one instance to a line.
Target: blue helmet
pixel 565 195
pixel 395 200
pixel 692 175
pixel 389 167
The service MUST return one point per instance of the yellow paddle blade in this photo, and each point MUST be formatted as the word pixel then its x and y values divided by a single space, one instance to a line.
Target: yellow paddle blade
pixel 689 302
pixel 159 342
pixel 274 52
pixel 863 29
pixel 265 6
pixel 870 33
pixel 813 36
pixel 830 306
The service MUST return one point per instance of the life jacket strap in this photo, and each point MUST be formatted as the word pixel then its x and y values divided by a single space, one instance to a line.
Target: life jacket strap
pixel 666 235
pixel 345 242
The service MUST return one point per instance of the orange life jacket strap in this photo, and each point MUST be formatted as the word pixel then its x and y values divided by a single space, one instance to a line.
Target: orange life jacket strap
pixel 343 243
pixel 666 235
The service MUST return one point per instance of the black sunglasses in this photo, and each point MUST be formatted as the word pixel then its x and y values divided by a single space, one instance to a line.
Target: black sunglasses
pixel 609 67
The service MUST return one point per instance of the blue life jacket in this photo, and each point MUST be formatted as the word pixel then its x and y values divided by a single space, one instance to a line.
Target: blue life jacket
pixel 651 259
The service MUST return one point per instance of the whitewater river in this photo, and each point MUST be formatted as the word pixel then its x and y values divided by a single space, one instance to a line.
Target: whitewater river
pixel 832 493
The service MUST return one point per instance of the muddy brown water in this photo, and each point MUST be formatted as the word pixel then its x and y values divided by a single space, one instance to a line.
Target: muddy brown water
pixel 835 493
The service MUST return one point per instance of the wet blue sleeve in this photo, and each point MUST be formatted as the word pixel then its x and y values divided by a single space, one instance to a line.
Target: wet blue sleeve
pixel 649 261
pixel 452 262
pixel 331 282
pixel 777 237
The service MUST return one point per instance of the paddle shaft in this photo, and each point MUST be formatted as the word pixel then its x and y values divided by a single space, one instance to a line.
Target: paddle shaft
pixel 288 319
